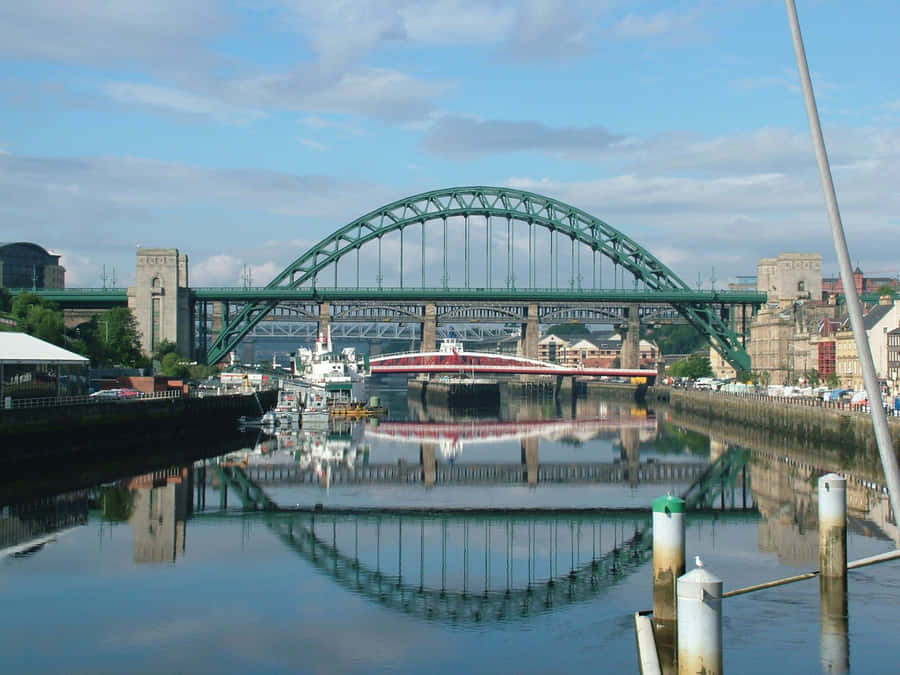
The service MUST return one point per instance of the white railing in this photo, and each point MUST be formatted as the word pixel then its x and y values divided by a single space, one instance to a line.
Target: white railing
pixel 800 401
pixel 62 401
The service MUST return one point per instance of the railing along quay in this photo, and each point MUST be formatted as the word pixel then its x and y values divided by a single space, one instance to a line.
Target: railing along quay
pixel 796 401
pixel 65 401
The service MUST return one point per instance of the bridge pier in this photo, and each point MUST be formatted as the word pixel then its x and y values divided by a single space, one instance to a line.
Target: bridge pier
pixel 160 299
pixel 429 463
pixel 429 329
pixel 324 318
pixel 219 318
pixel 631 453
pixel 530 459
pixel 630 355
pixel 531 333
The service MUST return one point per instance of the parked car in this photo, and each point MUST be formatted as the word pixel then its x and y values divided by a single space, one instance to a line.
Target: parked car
pixel 116 394
pixel 105 395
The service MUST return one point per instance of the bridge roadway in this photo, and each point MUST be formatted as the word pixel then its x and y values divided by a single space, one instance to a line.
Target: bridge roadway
pixel 479 473
pixel 455 361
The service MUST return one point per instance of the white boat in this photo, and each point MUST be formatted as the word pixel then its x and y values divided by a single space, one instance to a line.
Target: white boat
pixel 338 374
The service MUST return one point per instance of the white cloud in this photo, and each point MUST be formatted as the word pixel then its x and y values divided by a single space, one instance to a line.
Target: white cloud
pixel 318 122
pixel 178 101
pixel 312 145
pixel 97 209
pixel 164 34
pixel 223 269
pixel 462 137
pixel 749 200
pixel 634 27
pixel 547 30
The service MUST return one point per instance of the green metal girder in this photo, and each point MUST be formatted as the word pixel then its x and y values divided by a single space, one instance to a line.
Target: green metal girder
pixel 514 295
pixel 490 202
pixel 79 297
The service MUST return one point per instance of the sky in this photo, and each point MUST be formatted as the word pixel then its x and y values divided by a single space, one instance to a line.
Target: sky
pixel 243 131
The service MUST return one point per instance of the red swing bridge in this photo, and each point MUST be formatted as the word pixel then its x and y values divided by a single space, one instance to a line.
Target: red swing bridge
pixel 451 359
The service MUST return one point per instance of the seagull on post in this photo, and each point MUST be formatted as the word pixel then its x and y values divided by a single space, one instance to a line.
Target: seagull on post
pixel 697 561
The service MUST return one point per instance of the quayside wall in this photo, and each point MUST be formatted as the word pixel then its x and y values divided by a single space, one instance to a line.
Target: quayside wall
pixel 29 433
pixel 805 422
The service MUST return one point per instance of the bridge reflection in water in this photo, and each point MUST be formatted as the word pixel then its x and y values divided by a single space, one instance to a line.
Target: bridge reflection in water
pixel 452 565
pixel 343 455
pixel 469 565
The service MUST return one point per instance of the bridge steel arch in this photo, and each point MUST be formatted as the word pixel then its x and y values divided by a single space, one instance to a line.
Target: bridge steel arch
pixel 509 203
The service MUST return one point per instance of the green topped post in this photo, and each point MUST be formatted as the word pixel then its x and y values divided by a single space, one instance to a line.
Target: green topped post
pixel 668 565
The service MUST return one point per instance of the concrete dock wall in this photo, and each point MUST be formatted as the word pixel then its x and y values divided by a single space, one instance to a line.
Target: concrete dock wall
pixel 809 424
pixel 26 433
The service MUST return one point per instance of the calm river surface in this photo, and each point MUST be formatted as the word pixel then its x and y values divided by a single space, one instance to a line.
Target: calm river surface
pixel 433 541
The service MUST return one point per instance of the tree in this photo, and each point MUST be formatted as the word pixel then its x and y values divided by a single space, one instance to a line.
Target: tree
pixel 833 381
pixel 5 299
pixel 39 318
pixel 117 503
pixel 813 377
pixel 173 366
pixel 163 348
pixel 885 289
pixel 677 339
pixel 696 365
pixel 113 339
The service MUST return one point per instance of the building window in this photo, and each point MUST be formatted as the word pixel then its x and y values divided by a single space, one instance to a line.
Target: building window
pixel 801 285
pixel 154 323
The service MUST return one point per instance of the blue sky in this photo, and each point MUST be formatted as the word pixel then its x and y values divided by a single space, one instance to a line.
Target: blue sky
pixel 242 131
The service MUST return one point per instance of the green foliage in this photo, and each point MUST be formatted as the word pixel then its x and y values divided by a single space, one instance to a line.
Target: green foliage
pixel 117 503
pixel 696 365
pixel 674 440
pixel 833 381
pixel 199 371
pixel 677 339
pixel 569 330
pixel 5 299
pixel 174 366
pixel 111 339
pixel 39 318
pixel 163 348
pixel 122 342
pixel 813 377
pixel 884 289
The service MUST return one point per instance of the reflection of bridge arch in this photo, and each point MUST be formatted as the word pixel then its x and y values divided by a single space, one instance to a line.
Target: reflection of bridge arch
pixel 481 565
pixel 483 595
pixel 559 220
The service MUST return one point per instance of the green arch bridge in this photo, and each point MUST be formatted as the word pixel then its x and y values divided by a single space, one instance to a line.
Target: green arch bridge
pixel 467 254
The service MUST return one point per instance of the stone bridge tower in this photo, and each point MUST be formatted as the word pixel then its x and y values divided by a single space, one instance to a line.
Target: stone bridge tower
pixel 160 300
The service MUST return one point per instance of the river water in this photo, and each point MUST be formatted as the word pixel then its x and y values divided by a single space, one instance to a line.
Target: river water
pixel 443 541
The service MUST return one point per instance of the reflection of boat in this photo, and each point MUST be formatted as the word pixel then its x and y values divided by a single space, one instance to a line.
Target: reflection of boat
pixel 337 373
pixel 317 448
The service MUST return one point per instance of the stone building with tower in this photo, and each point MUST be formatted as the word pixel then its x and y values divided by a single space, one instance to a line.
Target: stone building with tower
pixel 160 299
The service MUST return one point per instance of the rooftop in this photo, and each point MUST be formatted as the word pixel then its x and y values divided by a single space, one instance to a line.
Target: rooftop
pixel 23 348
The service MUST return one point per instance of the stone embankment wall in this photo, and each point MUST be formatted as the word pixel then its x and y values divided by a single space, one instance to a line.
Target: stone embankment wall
pixel 808 422
pixel 26 433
